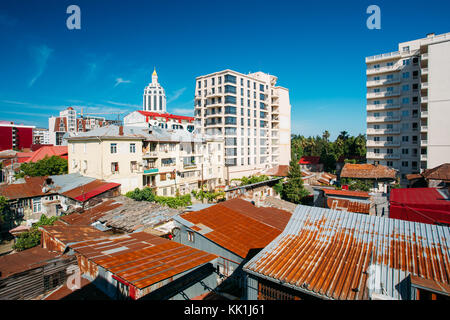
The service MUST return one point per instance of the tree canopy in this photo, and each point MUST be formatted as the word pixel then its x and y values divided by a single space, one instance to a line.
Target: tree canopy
pixel 329 151
pixel 45 167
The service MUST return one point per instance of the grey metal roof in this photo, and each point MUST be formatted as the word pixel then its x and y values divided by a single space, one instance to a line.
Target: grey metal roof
pixel 70 181
pixel 151 134
pixel 350 256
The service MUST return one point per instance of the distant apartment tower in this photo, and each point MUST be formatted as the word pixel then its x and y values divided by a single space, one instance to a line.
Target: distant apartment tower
pixel 15 136
pixel 408 105
pixel 251 113
pixel 67 121
pixel 41 136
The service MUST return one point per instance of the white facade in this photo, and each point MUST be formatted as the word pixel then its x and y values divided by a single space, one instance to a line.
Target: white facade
pixel 162 120
pixel 408 105
pixel 251 113
pixel 165 160
pixel 41 136
pixel 154 96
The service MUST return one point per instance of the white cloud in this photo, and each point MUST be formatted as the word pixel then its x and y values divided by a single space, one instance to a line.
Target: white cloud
pixel 40 55
pixel 120 80
pixel 176 95
pixel 181 111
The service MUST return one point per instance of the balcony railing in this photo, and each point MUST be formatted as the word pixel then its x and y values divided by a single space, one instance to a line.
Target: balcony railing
pixel 383 131
pixel 382 69
pixel 383 56
pixel 371 95
pixel 383 119
pixel 423 128
pixel 373 83
pixel 372 107
pixel 382 144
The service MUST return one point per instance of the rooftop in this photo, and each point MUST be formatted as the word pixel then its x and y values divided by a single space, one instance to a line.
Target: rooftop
pixel 329 254
pixel 309 160
pixel 441 172
pixel 367 171
pixel 25 260
pixel 237 225
pixel 166 115
pixel 142 259
pixel 346 193
pixel 48 151
pixel 421 197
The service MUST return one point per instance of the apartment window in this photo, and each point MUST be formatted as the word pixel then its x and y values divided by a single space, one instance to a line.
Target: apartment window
pixel 405 151
pixel 405 139
pixel 404 163
pixel 389 101
pixel 230 110
pixel 390 64
pixel 212 81
pixel 261 87
pixel 389 151
pixel 405 87
pixel 199 86
pixel 114 167
pixel 261 96
pixel 37 205
pixel 230 89
pixel 390 89
pixel 230 120
pixel 405 100
pixel 405 126
pixel 405 75
pixel 376 150
pixel 389 138
pixel 405 113
pixel 376 139
pixel 132 148
pixel 113 147
pixel 133 166
pixel 390 126
pixel 230 99
pixel 389 163
pixel 229 79
pixel 219 80
pixel 406 62
pixel 190 236
pixel 406 49
pixel 242 81
pixel 376 114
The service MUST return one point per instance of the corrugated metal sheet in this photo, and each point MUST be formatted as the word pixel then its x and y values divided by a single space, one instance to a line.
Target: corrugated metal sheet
pixel 145 260
pixel 328 253
pixel 237 225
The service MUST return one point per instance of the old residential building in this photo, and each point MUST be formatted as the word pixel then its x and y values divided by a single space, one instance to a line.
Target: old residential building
pixel 408 105
pixel 251 113
pixel 135 157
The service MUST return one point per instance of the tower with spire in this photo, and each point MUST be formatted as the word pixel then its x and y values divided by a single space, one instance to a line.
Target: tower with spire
pixel 154 96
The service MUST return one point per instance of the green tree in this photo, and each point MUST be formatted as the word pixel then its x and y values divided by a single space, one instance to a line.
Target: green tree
pixel 293 190
pixel 45 167
pixel 32 238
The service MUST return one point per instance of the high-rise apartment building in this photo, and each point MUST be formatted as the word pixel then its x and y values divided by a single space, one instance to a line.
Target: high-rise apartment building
pixel 408 105
pixel 253 116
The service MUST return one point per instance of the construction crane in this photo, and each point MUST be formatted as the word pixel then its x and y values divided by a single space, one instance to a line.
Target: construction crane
pixel 102 113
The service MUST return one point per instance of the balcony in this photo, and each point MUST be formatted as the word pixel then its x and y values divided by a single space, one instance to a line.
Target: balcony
pixel 375 83
pixel 210 94
pixel 382 144
pixel 383 156
pixel 148 170
pixel 423 143
pixel 383 131
pixel 375 107
pixel 424 71
pixel 384 69
pixel 424 56
pixel 423 128
pixel 423 157
pixel 382 119
pixel 424 99
pixel 150 154
pixel 424 114
pixel 424 85
pixel 383 57
pixel 373 95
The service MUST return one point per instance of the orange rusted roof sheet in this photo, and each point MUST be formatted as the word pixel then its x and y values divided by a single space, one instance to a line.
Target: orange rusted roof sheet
pixel 237 225
pixel 367 171
pixel 348 205
pixel 90 215
pixel 67 234
pixel 346 193
pixel 332 254
pixel 142 259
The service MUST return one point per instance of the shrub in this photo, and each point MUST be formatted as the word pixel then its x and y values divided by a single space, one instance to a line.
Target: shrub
pixel 32 238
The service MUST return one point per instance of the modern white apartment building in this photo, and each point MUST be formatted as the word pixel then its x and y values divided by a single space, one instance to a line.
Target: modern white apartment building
pixel 408 105
pixel 136 157
pixel 41 136
pixel 251 113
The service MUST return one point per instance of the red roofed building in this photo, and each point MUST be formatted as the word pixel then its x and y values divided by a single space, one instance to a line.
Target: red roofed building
pixel 48 151
pixel 426 205
pixel 345 200
pixel 163 120
pixel 311 163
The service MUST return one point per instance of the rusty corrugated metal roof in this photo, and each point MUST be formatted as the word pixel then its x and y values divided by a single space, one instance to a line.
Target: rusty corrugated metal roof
pixel 348 205
pixel 327 253
pixel 237 225
pixel 142 259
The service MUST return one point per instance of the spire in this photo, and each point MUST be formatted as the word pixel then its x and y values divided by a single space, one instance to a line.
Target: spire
pixel 154 76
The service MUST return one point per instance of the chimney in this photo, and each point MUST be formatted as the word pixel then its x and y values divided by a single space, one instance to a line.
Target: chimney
pixel 121 131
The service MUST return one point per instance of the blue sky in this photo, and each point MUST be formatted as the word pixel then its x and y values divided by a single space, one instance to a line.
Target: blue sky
pixel 316 48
